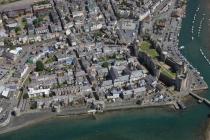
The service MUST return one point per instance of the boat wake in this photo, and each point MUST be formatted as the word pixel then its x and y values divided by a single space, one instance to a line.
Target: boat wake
pixel 197 13
pixel 205 56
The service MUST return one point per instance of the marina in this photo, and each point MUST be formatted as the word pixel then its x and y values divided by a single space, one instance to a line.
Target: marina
pixel 192 30
pixel 193 22
pixel 200 25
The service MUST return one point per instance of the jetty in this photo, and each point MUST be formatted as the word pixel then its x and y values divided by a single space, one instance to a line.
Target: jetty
pixel 200 99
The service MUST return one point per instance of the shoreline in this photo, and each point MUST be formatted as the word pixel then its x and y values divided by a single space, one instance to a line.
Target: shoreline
pixel 17 122
pixel 33 118
pixel 207 131
pixel 47 116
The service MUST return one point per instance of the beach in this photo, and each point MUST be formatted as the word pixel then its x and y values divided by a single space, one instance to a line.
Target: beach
pixel 207 133
pixel 32 118
pixel 26 120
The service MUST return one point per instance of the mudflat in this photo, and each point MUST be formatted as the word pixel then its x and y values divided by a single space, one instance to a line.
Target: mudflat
pixel 207 133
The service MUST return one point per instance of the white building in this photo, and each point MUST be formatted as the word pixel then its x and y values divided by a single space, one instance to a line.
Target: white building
pixel 26 68
pixel 16 51
pixel 96 27
pixel 38 92
pixel 4 91
pixel 77 14
pixel 144 14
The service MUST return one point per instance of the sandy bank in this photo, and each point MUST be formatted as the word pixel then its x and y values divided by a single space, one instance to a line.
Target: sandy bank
pixel 37 117
pixel 207 133
pixel 25 120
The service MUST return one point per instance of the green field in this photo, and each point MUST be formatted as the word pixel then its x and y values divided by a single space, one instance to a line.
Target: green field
pixel 167 72
pixel 146 48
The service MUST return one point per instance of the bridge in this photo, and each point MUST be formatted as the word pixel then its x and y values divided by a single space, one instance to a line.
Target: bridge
pixel 201 99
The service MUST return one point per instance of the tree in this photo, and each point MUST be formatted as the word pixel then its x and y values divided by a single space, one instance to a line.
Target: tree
pixel 33 105
pixel 52 94
pixel 8 43
pixel 105 64
pixel 65 82
pixel 25 96
pixel 24 20
pixel 17 30
pixel 55 58
pixel 37 22
pixel 39 66
pixel 13 113
pixel 29 79
pixel 139 102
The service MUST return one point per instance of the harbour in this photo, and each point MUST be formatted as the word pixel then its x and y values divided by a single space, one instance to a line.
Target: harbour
pixel 144 124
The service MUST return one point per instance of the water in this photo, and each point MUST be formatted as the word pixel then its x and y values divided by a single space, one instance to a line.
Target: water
pixel 144 124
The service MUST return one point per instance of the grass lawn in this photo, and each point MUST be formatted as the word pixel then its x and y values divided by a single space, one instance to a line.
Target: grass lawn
pixel 102 59
pixel 167 72
pixel 49 60
pixel 146 47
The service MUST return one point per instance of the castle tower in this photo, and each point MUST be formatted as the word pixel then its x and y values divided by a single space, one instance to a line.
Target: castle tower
pixel 181 82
